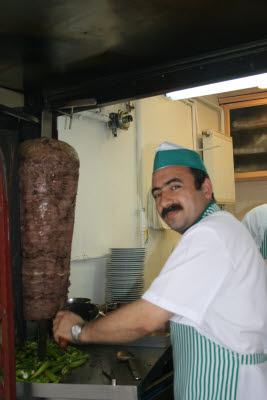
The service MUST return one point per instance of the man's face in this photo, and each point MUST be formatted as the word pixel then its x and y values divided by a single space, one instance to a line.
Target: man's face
pixel 178 201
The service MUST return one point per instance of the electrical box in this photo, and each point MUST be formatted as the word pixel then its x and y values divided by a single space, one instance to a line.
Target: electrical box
pixel 219 161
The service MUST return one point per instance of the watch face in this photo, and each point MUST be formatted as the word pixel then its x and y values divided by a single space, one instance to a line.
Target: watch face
pixel 75 332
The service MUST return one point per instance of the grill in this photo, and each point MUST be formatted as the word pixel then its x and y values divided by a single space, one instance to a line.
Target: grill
pixel 104 377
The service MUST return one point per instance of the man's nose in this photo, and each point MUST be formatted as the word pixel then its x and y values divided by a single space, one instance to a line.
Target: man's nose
pixel 166 199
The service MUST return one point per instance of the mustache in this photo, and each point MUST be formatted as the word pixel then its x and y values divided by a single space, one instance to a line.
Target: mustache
pixel 173 207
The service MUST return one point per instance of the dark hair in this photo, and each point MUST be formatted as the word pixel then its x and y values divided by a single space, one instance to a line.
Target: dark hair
pixel 200 177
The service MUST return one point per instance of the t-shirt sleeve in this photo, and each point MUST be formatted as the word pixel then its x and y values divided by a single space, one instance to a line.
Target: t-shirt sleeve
pixel 191 276
pixel 256 222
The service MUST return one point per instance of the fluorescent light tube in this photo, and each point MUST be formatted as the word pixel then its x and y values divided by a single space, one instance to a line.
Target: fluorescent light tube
pixel 220 87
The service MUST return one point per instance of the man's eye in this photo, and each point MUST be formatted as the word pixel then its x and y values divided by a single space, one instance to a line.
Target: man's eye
pixel 156 195
pixel 174 187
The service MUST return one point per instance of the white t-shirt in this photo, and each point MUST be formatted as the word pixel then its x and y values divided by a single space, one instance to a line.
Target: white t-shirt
pixel 215 280
pixel 256 222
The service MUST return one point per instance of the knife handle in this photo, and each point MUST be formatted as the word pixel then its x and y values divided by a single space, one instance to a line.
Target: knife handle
pixel 133 368
pixel 63 343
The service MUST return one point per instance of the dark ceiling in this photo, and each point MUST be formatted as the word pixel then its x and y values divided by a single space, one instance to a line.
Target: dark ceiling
pixel 57 51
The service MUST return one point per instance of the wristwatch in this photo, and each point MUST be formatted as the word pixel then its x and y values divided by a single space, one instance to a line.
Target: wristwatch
pixel 76 330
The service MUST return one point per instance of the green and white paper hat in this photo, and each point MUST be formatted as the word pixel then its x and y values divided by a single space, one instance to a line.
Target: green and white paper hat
pixel 169 154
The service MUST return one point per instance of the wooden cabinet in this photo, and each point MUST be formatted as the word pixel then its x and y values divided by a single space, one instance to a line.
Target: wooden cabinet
pixel 246 123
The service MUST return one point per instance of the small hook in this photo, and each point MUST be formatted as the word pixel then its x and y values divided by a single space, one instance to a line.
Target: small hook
pixel 71 118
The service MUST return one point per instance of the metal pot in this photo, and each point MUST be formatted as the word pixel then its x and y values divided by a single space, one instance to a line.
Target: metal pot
pixel 83 307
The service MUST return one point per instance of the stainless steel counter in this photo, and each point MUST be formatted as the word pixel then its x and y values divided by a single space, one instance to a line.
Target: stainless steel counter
pixel 104 377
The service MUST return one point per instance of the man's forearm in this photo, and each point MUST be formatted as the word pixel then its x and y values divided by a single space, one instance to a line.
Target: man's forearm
pixel 123 325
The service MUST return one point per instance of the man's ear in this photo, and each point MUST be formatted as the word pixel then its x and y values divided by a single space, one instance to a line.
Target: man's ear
pixel 207 188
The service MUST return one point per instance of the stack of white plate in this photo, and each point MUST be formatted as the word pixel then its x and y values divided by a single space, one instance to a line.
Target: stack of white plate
pixel 125 275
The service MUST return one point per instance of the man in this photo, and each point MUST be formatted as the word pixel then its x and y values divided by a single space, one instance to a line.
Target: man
pixel 212 289
pixel 256 222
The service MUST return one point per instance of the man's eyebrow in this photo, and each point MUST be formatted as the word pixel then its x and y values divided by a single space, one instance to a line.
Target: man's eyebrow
pixel 155 189
pixel 173 180
pixel 167 183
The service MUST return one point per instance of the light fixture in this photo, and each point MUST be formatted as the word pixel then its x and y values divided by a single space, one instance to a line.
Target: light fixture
pixel 263 85
pixel 259 80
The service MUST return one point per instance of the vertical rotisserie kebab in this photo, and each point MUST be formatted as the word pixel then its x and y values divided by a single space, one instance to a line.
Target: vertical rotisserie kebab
pixel 48 173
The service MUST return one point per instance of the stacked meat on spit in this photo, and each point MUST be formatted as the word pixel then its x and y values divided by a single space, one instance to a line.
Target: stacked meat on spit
pixel 48 173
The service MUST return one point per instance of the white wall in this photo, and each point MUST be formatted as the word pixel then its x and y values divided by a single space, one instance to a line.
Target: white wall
pixel 208 117
pixel 248 196
pixel 88 279
pixel 105 214
pixel 107 203
pixel 106 197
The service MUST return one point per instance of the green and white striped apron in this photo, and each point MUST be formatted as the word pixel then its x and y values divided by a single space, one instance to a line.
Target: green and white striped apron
pixel 263 248
pixel 203 369
pixel 210 209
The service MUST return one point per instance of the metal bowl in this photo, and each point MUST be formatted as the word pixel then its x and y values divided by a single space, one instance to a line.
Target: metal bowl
pixel 83 307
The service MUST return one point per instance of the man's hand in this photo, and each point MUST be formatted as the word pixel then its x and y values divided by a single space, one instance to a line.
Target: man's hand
pixel 63 323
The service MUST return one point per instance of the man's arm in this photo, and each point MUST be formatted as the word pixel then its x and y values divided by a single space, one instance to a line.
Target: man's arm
pixel 128 323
